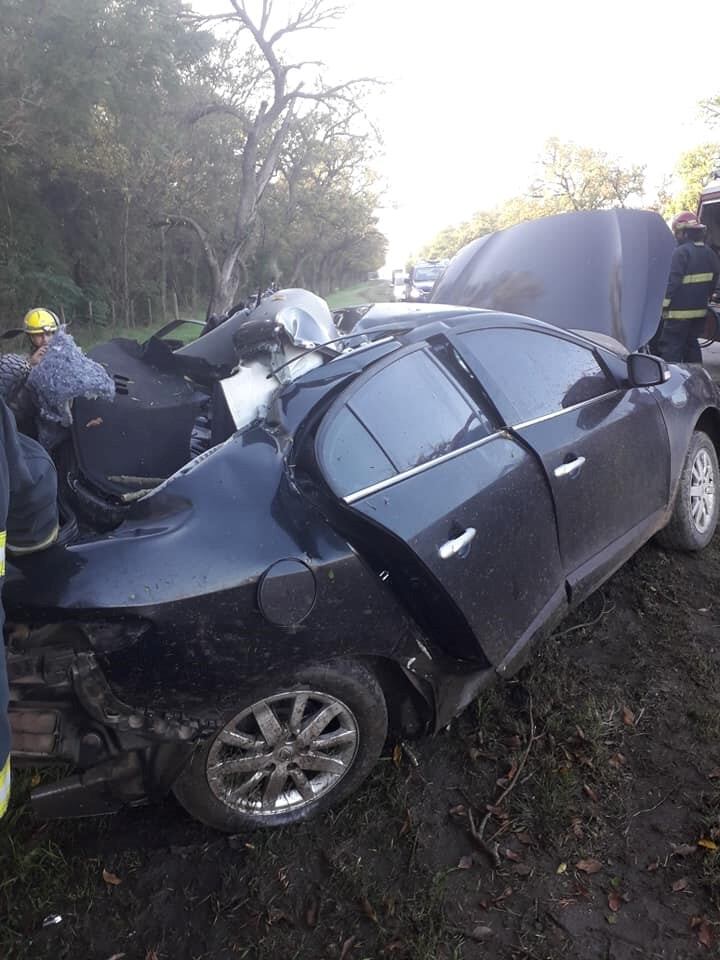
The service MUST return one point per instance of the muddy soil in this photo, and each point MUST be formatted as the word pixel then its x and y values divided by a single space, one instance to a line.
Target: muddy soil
pixel 607 846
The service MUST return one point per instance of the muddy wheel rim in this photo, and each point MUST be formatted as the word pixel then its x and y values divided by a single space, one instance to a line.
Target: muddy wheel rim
pixel 702 491
pixel 283 752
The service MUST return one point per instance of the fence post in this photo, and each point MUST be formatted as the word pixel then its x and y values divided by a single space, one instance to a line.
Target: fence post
pixel 149 311
pixel 62 314
pixel 176 307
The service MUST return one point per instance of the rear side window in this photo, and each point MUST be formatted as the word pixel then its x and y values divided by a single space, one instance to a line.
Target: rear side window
pixel 351 459
pixel 538 373
pixel 409 413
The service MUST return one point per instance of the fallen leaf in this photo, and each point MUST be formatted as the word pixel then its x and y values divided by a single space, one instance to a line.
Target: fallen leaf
pixel 95 422
pixel 588 791
pixel 652 867
pixel 282 876
pixel 511 855
pixel 110 878
pixel 683 849
pixel 616 761
pixel 346 948
pixel 275 915
pixel 311 912
pixel 368 909
pixel 459 810
pixel 524 838
pixel 611 918
pixel 705 934
pixel 562 867
pixel 522 869
pixel 464 863
pixel 589 866
pixel 680 885
pixel 151 955
pixel 714 774
pixel 695 921
pixel 628 717
pixel 394 946
pixel 577 828
pixel 707 844
pixel 504 895
pixel 497 812
pixel 397 754
pixel 614 902
pixel 481 933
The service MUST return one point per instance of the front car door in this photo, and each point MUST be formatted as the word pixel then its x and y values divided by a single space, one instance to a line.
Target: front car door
pixel 603 443
pixel 454 506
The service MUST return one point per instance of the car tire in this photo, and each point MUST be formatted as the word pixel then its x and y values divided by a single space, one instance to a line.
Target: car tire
pixel 695 512
pixel 267 767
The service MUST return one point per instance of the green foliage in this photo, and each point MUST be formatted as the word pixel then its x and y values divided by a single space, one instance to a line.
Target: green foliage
pixel 99 143
pixel 571 178
pixel 693 171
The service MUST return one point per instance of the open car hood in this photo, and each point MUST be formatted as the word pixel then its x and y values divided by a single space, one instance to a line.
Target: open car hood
pixel 598 270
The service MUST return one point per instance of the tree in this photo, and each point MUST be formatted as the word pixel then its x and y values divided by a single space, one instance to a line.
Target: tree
pixel 582 178
pixel 264 100
pixel 693 170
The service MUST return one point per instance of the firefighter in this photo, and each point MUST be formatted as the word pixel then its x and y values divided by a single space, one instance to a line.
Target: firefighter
pixel 693 278
pixel 28 522
pixel 39 324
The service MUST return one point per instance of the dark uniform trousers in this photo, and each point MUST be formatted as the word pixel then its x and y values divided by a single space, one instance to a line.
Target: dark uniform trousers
pixel 28 522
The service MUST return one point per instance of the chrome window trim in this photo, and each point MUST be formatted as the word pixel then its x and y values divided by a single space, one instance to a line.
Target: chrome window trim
pixel 351 498
pixel 559 413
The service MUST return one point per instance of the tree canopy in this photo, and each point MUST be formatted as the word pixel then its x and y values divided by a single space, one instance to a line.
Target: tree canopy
pixel 570 177
pixel 146 151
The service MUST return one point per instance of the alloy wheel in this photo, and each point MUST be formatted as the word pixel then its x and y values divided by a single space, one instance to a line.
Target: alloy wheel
pixel 702 491
pixel 283 752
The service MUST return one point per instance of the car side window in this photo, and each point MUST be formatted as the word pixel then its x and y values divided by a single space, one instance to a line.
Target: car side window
pixel 416 412
pixel 351 459
pixel 539 373
pixel 409 413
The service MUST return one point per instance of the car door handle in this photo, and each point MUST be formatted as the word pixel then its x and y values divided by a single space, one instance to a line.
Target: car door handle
pixel 453 547
pixel 569 469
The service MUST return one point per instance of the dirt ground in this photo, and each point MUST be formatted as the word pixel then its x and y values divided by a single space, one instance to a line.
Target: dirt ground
pixel 607 844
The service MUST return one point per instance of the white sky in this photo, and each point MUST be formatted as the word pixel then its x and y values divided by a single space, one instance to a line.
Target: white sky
pixel 474 88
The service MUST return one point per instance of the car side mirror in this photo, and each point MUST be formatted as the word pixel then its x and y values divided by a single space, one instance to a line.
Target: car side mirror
pixel 644 370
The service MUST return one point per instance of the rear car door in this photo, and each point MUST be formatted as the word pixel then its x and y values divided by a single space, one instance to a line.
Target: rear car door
pixel 456 510
pixel 603 444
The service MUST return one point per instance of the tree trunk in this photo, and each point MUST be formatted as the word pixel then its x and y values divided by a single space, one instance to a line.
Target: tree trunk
pixel 163 273
pixel 124 254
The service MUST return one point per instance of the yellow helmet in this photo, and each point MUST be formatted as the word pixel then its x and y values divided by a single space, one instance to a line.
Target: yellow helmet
pixel 40 320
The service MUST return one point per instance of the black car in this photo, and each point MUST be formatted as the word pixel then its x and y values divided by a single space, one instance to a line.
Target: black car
pixel 368 544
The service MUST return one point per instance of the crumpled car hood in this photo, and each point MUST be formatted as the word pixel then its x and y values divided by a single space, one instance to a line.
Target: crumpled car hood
pixel 596 270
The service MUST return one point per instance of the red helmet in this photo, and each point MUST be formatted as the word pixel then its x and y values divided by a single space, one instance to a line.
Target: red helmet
pixel 686 221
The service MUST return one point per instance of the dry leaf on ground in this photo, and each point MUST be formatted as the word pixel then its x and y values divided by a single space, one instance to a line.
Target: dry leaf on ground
pixel 628 717
pixel 615 901
pixel 111 879
pixel 680 885
pixel 589 866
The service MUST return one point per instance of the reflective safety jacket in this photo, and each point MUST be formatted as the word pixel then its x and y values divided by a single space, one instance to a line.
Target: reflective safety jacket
pixel 693 278
pixel 28 522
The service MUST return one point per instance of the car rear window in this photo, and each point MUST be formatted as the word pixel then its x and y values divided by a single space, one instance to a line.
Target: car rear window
pixel 409 413
pixel 537 373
